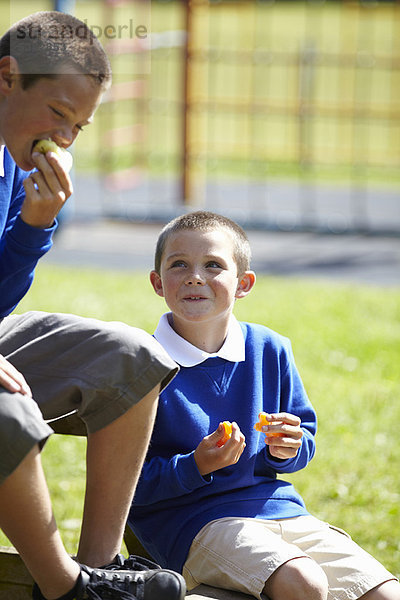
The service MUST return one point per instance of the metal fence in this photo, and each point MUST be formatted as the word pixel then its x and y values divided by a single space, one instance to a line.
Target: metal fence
pixel 282 114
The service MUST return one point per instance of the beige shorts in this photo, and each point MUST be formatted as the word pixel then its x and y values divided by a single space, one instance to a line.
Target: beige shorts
pixel 241 554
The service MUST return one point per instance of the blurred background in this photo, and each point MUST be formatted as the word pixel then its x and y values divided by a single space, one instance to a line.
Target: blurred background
pixel 283 114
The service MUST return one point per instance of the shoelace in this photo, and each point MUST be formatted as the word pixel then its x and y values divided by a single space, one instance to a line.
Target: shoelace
pixel 104 590
pixel 133 563
pixel 118 587
pixel 139 563
pixel 100 588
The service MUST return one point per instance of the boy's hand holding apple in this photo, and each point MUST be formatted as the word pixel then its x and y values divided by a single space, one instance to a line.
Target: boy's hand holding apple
pixel 48 188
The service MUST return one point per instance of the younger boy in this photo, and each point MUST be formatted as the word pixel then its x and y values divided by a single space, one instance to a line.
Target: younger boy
pixel 218 513
pixel 53 72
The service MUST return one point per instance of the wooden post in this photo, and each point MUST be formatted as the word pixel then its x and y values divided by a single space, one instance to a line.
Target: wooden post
pixel 15 580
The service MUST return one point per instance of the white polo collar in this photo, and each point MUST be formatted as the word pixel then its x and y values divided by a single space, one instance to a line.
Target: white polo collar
pixel 187 355
pixel 2 161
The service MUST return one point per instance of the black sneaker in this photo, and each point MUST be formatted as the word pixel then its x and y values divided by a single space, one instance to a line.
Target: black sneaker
pixel 126 584
pixel 134 563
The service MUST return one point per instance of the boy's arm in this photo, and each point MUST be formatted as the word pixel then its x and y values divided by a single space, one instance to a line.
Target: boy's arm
pixel 297 462
pixel 21 246
pixel 293 401
pixel 164 478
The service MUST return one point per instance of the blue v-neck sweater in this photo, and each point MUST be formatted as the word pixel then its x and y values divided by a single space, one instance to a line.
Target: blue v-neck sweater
pixel 173 501
pixel 21 245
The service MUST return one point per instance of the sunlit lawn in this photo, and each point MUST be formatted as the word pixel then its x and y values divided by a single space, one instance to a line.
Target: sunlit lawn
pixel 346 340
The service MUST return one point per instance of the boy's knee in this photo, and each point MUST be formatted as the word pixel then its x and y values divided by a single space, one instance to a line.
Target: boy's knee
pixel 298 579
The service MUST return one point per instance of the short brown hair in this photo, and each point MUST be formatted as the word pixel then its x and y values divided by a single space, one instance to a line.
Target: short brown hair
pixel 205 221
pixel 47 42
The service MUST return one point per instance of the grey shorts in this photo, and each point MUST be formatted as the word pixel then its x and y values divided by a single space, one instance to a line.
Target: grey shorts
pixel 98 369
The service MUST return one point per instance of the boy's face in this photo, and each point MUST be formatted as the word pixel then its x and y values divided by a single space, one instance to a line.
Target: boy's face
pixel 51 108
pixel 198 277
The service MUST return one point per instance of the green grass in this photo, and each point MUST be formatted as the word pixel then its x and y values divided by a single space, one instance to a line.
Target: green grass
pixel 346 340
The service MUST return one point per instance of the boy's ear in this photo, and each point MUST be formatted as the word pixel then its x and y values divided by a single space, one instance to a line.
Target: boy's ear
pixel 9 74
pixel 246 283
pixel 156 282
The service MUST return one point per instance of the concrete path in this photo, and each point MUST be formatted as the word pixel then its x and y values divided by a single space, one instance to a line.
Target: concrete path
pixel 121 245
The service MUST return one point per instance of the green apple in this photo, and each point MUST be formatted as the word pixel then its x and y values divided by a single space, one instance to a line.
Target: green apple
pixel 65 157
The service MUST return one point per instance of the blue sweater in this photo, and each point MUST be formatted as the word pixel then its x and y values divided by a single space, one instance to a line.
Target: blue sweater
pixel 173 501
pixel 21 245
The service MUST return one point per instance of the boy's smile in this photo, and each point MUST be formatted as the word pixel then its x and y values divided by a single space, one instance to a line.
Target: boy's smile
pixel 54 109
pixel 199 281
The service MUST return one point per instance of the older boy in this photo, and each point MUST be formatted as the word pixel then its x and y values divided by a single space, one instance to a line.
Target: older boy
pixel 218 512
pixel 53 72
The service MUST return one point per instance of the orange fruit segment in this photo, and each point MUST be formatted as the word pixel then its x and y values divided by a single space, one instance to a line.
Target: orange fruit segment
pixel 263 422
pixel 226 435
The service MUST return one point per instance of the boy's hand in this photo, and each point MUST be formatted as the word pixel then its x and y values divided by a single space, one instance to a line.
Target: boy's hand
pixel 209 457
pixel 289 441
pixel 12 379
pixel 46 191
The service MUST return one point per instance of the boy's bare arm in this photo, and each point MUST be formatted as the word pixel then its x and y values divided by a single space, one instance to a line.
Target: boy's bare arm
pixel 210 457
pixel 47 190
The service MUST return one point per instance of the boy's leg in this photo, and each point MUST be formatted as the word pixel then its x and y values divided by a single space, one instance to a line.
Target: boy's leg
pixel 115 455
pixel 27 519
pixel 289 558
pixel 350 570
pixel 390 590
pixel 25 508
pixel 111 374
pixel 260 557
pixel 298 579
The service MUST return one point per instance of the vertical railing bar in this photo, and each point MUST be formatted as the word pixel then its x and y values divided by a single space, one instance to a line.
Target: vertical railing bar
pixel 186 192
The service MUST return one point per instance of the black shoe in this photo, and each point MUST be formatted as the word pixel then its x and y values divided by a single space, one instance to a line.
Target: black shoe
pixel 126 584
pixel 143 583
pixel 87 589
pixel 133 563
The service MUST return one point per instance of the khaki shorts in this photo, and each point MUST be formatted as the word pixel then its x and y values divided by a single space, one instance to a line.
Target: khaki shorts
pixel 241 554
pixel 73 364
